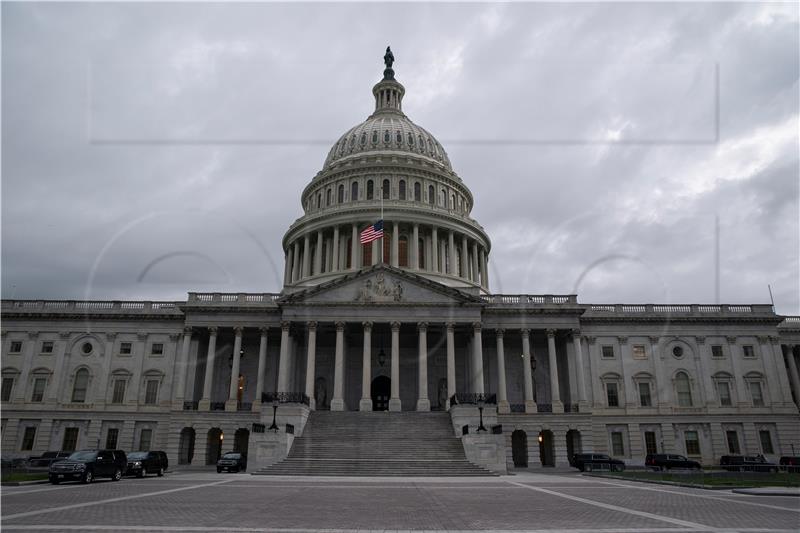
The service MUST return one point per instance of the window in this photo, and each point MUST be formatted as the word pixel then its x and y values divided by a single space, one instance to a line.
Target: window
pixel 86 348
pixel 431 195
pixel 766 441
pixel 617 444
pixel 119 391
pixel 354 191
pixel 328 197
pixel 145 436
pixel 70 439
pixel 8 386
pixel 692 443
pixel 340 194
pixel 151 392
pixel 639 352
pixel 402 251
pixel 39 385
pixel 28 437
pixel 80 386
pixel 677 351
pixel 724 393
pixel 612 394
pixel 608 352
pixel 748 351
pixel 370 189
pixel 417 192
pixel 644 395
pixel 157 349
pixel 443 198
pixel 402 189
pixel 111 438
pixel 125 348
pixel 47 347
pixel 716 350
pixel 650 445
pixel 16 347
pixel 684 390
pixel 756 394
pixel 319 200
pixel 733 441
pixel 386 189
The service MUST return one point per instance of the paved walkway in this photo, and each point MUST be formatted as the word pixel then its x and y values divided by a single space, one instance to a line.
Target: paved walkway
pixel 209 502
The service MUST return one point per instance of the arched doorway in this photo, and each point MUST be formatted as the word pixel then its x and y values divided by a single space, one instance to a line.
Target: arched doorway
pixel 546 452
pixel 380 391
pixel 519 448
pixel 573 444
pixel 213 446
pixel 241 440
pixel 186 446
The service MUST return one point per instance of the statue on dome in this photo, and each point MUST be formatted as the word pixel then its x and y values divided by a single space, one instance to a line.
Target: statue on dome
pixel 388 58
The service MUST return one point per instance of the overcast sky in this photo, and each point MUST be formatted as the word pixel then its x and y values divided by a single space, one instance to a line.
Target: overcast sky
pixel 153 149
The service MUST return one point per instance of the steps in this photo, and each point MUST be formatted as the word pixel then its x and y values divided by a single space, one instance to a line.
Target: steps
pixel 376 444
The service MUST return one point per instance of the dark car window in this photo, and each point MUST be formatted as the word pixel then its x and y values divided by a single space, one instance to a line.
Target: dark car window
pixel 601 457
pixel 231 456
pixel 137 456
pixel 83 456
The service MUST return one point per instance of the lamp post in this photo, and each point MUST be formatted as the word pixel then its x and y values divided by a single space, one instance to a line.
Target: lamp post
pixel 274 426
pixel 480 410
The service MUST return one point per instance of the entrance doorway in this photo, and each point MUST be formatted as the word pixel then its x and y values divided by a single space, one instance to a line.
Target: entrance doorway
pixel 186 446
pixel 380 390
pixel 241 441
pixel 573 444
pixel 546 451
pixel 519 448
pixel 213 446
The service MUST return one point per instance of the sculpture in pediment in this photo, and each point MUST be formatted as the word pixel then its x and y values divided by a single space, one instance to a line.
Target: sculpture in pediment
pixel 380 291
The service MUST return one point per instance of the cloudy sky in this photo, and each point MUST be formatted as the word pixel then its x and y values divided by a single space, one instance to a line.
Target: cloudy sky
pixel 153 149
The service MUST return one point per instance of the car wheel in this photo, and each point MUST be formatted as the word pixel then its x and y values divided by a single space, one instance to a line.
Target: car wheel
pixel 219 470
pixel 117 475
pixel 587 468
pixel 160 472
pixel 88 477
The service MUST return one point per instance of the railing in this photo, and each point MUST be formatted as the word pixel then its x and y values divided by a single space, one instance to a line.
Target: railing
pixel 679 308
pixel 190 406
pixel 544 407
pixel 217 406
pixel 516 299
pixel 228 298
pixel 86 306
pixel 284 397
pixel 571 408
pixel 470 398
pixel 244 406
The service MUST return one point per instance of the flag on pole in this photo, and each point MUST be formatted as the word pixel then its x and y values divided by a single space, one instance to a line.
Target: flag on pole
pixel 372 233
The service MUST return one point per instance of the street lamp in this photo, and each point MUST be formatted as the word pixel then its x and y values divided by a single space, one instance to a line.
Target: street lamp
pixel 274 426
pixel 480 410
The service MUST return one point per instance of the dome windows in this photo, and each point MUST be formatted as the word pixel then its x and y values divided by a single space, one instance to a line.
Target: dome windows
pixel 399 137
pixel 340 194
pixel 370 189
pixel 421 143
pixel 363 139
pixel 374 137
pixel 431 195
pixel 411 139
pixel 402 189
pixel 386 189
pixel 417 192
pixel 387 137
pixel 354 192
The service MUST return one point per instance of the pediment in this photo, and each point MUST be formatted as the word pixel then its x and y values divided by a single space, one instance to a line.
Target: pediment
pixel 383 285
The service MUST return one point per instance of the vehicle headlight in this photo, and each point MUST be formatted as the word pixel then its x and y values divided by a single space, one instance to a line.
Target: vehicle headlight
pixel 137 463
pixel 80 466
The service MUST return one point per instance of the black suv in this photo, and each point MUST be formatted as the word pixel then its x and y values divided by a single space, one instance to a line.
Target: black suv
pixel 86 465
pixel 141 463
pixel 747 463
pixel 587 462
pixel 790 463
pixel 232 462
pixel 664 461
pixel 47 458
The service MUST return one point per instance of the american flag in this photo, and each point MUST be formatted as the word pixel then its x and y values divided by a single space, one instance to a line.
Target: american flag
pixel 372 233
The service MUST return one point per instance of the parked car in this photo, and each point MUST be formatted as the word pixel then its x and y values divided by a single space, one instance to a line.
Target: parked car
pixel 86 465
pixel 232 462
pixel 587 462
pixel 747 463
pixel 665 461
pixel 141 463
pixel 47 458
pixel 789 463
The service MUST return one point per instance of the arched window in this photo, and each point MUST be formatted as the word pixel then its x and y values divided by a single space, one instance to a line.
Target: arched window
pixel 386 189
pixel 402 189
pixel 431 195
pixel 354 191
pixel 319 200
pixel 443 198
pixel 363 138
pixel 387 136
pixel 452 201
pixel 399 138
pixel 684 389
pixel 410 139
pixel 370 189
pixel 402 250
pixel 417 191
pixel 328 196
pixel 80 386
pixel 340 194
pixel 375 137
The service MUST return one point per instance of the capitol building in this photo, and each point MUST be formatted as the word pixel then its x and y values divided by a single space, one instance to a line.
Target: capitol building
pixel 386 318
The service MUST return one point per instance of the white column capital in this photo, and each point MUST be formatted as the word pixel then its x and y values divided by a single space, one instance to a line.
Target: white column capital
pixel 213 330
pixel 311 324
pixel 237 330
pixel 395 326
pixel 499 332
pixel 285 325
pixel 422 326
pixel 340 326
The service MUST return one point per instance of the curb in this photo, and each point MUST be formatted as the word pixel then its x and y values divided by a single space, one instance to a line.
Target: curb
pixel 23 483
pixel 767 491
pixel 669 483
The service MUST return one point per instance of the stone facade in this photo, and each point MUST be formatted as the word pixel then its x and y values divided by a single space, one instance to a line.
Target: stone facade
pixel 403 323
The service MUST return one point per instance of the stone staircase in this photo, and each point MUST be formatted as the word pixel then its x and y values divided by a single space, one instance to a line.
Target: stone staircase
pixel 376 444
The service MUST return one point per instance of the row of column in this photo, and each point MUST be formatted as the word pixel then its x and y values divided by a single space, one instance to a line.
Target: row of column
pixel 440 255
pixel 794 376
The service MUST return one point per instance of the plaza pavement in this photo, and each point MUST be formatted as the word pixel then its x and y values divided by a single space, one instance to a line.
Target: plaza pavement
pixel 207 502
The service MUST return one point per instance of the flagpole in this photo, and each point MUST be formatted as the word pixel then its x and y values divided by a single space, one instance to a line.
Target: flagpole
pixel 384 225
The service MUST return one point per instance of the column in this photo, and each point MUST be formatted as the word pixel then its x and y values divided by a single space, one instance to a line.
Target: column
pixel 475 270
pixel 205 401
pixel 395 255
pixel 231 404
pixel 394 398
pixel 283 361
pixel 306 257
pixel 365 404
pixel 663 384
pixel 738 376
pixel 108 353
pixel 484 270
pixel 780 369
pixel 335 249
pixel 262 366
pixel 555 396
pixel 771 371
pixel 311 364
pixel 337 403
pixel 318 255
pixel 576 340
pixel 434 250
pixel 793 374
pixel 354 259
pixel 20 391
pixel 477 359
pixel 451 361
pixel 451 253
pixel 530 403
pixel 423 403
pixel 415 247
pixel 296 261
pixel 287 267
pixel 464 258
pixel 502 393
